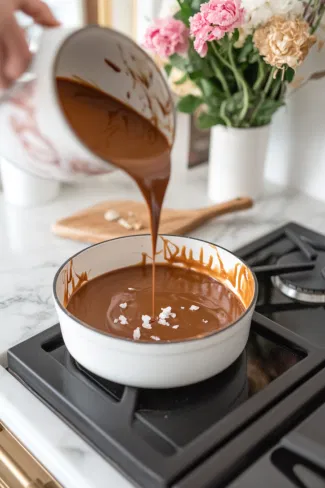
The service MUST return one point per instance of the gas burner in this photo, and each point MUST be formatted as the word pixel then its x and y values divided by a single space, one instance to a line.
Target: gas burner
pixel 306 286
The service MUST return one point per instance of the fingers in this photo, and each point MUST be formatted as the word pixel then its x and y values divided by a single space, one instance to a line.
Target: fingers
pixel 39 11
pixel 4 82
pixel 16 52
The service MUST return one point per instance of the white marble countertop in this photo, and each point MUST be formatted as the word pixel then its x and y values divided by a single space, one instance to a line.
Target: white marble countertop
pixel 29 258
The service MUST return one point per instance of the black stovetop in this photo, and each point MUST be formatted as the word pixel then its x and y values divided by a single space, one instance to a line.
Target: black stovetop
pixel 205 434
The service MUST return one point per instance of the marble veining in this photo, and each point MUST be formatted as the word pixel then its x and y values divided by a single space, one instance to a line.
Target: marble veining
pixel 29 258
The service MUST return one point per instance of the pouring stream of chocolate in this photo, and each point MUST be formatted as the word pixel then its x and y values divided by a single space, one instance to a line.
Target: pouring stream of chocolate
pixel 118 134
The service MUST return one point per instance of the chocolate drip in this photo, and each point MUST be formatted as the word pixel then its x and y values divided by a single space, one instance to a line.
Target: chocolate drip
pixel 118 134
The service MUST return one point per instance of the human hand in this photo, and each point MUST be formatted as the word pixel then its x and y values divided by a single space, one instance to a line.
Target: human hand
pixel 14 52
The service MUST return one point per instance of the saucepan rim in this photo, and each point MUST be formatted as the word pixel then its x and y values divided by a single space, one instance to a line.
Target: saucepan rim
pixel 156 343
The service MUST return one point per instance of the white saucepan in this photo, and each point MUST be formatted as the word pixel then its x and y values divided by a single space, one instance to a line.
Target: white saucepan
pixel 159 364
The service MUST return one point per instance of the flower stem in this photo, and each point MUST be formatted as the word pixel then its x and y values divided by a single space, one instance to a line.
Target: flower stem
pixel 307 8
pixel 256 110
pixel 276 88
pixel 220 57
pixel 220 77
pixel 241 82
pixel 260 75
pixel 317 23
pixel 264 93
pixel 223 114
pixel 269 81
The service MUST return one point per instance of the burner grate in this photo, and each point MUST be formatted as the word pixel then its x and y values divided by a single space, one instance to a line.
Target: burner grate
pixel 293 299
pixel 154 436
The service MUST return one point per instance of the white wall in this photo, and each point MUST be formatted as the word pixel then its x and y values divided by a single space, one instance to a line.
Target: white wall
pixel 297 148
pixel 69 12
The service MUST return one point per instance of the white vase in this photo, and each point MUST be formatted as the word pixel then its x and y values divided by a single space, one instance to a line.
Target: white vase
pixel 181 147
pixel 26 190
pixel 237 162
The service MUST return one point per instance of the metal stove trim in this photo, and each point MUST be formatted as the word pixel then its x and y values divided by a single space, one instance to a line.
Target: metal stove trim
pixel 295 294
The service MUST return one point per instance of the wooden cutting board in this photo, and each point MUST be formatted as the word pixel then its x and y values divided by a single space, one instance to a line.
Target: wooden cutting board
pixel 90 225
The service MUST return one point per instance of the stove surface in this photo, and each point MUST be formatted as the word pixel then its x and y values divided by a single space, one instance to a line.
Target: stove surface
pixel 304 318
pixel 165 438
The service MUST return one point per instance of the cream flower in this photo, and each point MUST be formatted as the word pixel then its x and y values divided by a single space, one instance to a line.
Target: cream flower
pixel 261 11
pixel 186 88
pixel 293 8
pixel 284 42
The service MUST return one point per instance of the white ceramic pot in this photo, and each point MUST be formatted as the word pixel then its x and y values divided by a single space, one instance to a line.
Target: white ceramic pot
pixel 160 364
pixel 35 134
pixel 237 162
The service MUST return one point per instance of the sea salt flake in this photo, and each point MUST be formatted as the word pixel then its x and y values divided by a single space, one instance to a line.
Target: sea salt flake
pixel 205 321
pixel 123 305
pixel 175 326
pixel 163 322
pixel 173 315
pixel 124 223
pixel 146 326
pixel 165 313
pixel 123 320
pixel 115 321
pixel 131 289
pixel 193 308
pixel 111 215
pixel 136 334
pixel 182 308
pixel 167 309
pixel 146 322
pixel 138 226
pixel 155 338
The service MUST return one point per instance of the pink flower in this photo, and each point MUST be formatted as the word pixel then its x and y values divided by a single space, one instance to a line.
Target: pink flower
pixel 215 19
pixel 201 46
pixel 226 14
pixel 166 37
pixel 197 23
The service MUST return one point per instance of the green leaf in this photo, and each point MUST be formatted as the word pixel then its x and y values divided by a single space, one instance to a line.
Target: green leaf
pixel 168 68
pixel 245 51
pixel 178 62
pixel 234 104
pixel 196 63
pixel 212 94
pixel 235 36
pixel 196 75
pixel 253 57
pixel 206 121
pixel 216 100
pixel 181 80
pixel 207 87
pixel 189 104
pixel 184 13
pixel 196 5
pixel 266 111
pixel 289 75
